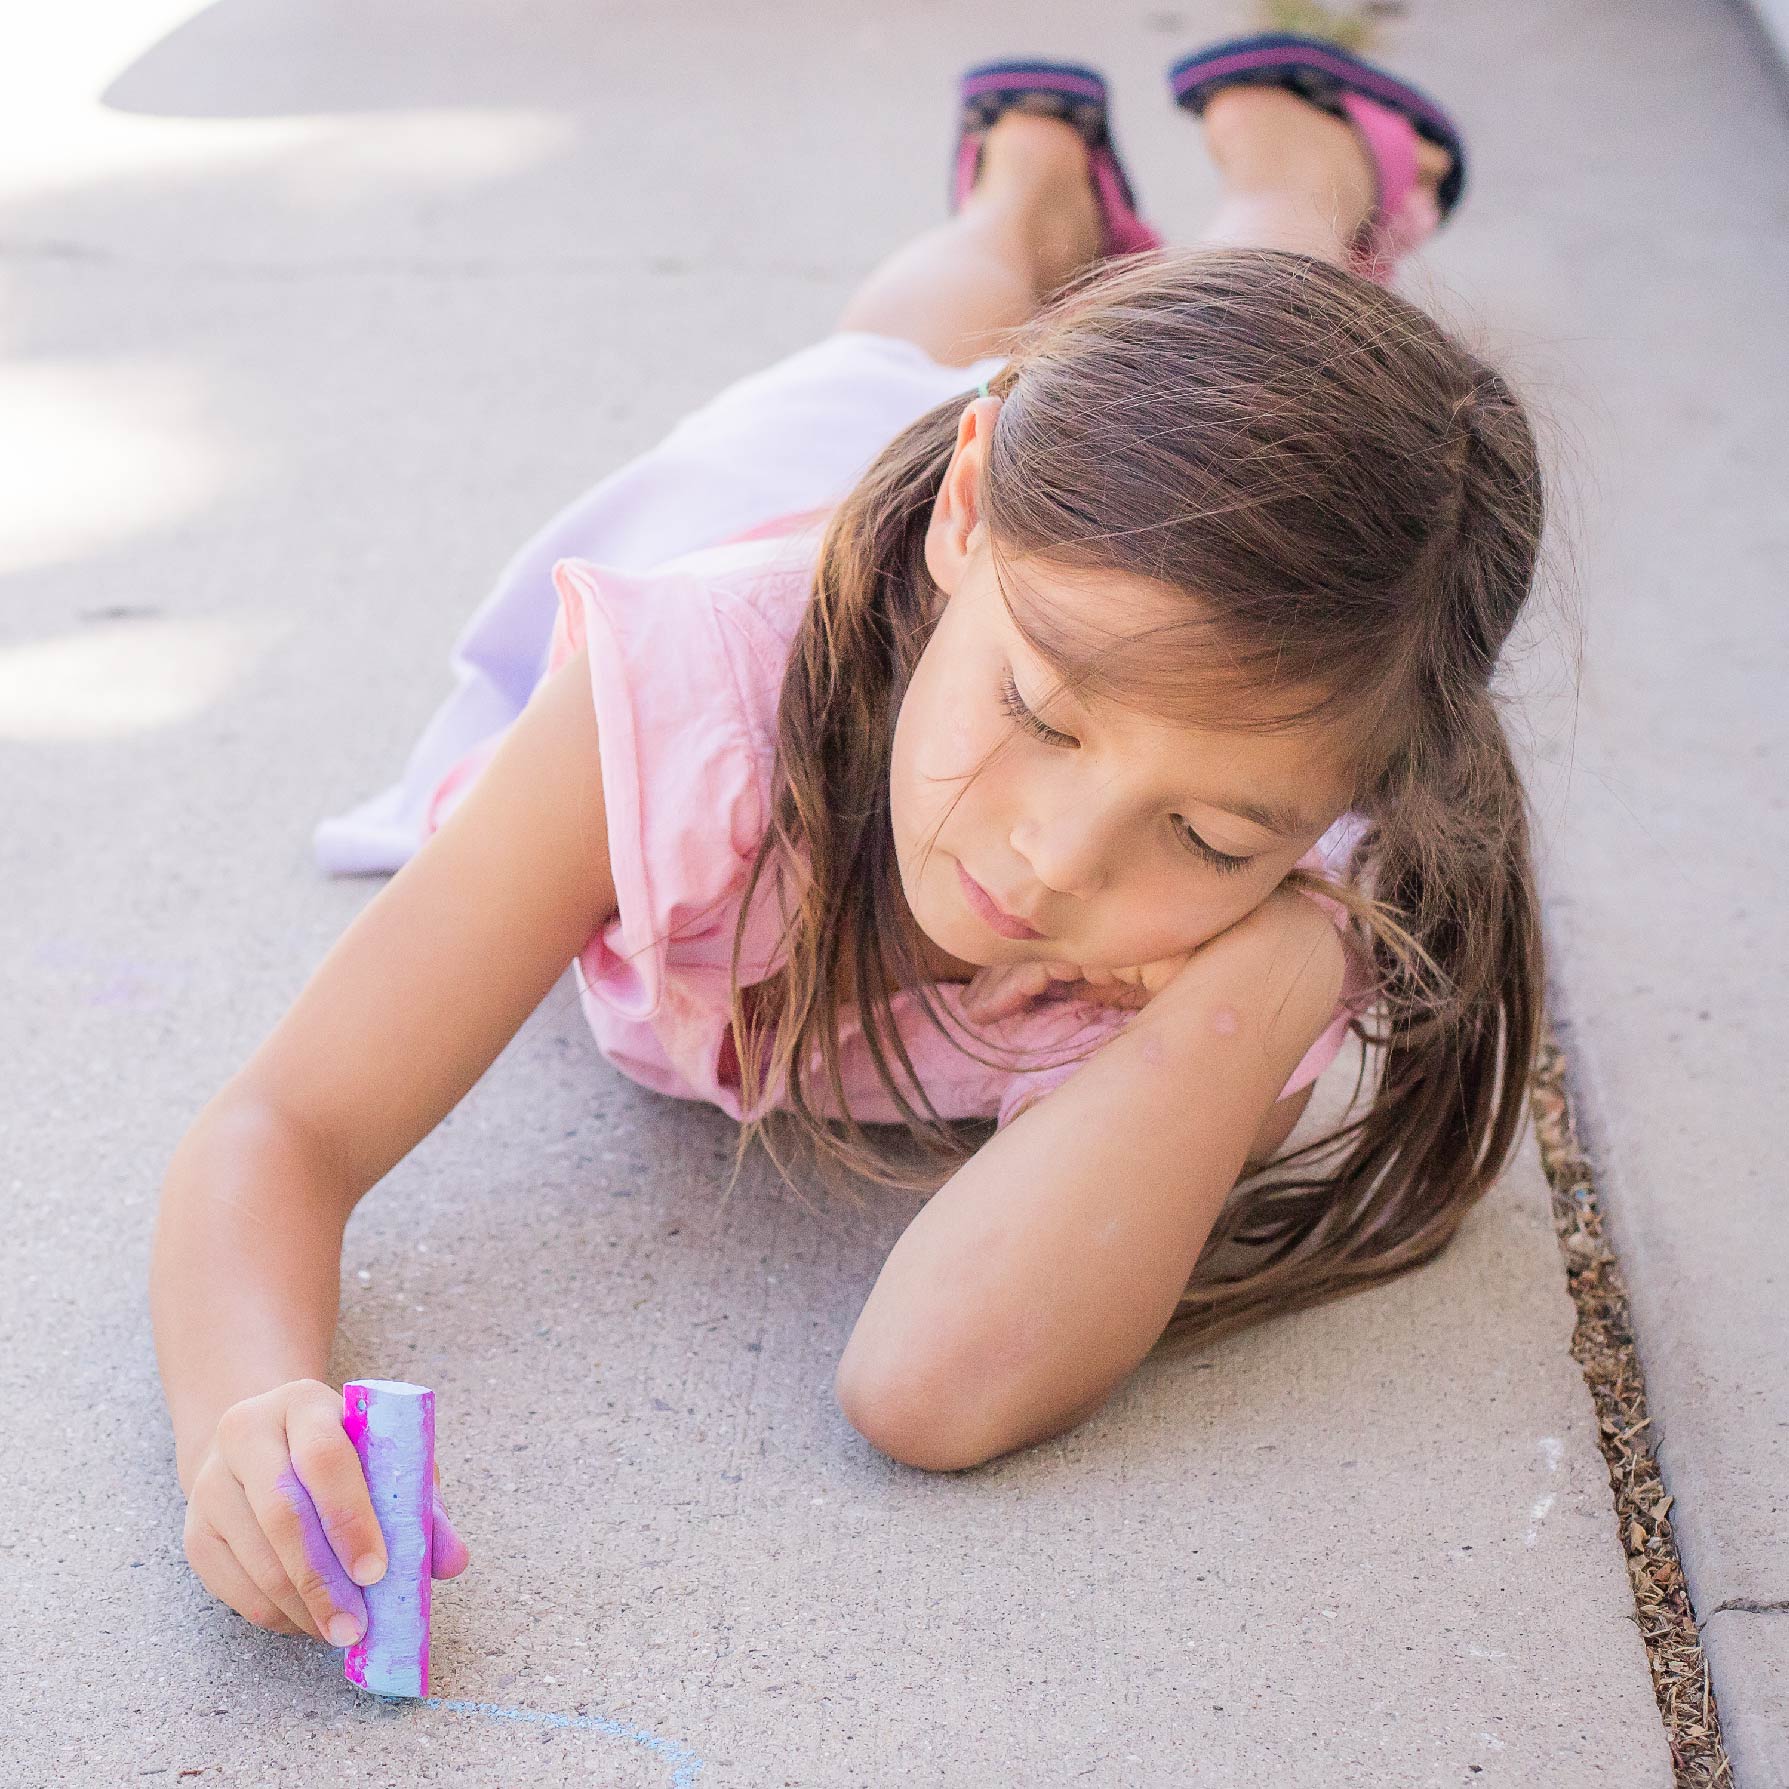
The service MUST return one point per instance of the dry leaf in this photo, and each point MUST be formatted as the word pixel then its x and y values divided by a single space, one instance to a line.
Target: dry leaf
pixel 1602 1343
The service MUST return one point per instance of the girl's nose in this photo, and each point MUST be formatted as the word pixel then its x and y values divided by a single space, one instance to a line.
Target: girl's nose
pixel 1067 852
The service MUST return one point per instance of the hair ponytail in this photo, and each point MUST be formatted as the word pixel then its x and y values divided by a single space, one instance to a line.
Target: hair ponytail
pixel 1449 902
pixel 1461 982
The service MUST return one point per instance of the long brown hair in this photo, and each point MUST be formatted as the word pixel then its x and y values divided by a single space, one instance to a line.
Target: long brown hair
pixel 1350 504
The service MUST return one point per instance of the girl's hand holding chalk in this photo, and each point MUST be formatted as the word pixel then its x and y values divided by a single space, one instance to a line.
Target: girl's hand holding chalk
pixel 279 1523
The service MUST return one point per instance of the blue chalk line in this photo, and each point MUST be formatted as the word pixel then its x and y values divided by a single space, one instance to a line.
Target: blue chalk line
pixel 687 1762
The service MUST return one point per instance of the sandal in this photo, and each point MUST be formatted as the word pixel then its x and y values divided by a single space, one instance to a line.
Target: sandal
pixel 1077 96
pixel 1388 114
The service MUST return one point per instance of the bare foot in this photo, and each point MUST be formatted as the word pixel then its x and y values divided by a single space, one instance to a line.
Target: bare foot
pixel 1266 141
pixel 1034 173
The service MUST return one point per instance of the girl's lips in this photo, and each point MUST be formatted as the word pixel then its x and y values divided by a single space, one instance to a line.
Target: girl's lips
pixel 991 915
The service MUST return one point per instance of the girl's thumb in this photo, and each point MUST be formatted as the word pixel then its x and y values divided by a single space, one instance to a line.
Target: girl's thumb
pixel 448 1553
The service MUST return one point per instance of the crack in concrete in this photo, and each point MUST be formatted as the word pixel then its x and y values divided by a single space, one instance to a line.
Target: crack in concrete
pixel 1603 1345
pixel 1744 1605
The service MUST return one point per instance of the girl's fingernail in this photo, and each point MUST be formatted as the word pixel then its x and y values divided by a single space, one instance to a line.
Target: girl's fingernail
pixel 368 1569
pixel 343 1630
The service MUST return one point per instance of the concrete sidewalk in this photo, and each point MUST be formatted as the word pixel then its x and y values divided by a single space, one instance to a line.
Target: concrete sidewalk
pixel 1670 831
pixel 307 325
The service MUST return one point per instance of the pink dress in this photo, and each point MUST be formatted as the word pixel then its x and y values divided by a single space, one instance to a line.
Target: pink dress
pixel 686 655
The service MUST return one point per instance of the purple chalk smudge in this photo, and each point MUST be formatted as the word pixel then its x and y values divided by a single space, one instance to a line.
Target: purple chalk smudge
pixel 318 1553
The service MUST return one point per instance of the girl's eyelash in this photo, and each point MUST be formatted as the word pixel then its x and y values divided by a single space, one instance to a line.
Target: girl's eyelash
pixel 1219 860
pixel 1014 704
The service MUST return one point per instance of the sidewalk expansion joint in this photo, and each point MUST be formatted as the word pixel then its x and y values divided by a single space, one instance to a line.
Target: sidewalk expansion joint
pixel 1603 1346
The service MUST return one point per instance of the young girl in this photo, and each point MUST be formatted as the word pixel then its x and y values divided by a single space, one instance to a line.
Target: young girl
pixel 1060 697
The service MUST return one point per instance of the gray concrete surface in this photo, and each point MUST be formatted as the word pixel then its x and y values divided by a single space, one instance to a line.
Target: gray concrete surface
pixel 305 326
pixel 1773 15
pixel 1671 833
pixel 1748 1657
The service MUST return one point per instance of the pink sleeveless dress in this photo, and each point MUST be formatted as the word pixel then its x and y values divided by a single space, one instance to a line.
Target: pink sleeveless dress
pixel 688 639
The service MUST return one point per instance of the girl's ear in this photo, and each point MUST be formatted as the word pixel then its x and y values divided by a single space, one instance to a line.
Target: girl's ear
pixel 956 512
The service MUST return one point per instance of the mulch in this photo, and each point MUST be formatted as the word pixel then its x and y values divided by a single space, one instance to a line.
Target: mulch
pixel 1603 1346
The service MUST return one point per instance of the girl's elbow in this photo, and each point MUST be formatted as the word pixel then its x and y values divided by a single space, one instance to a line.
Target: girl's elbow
pixel 907 1422
pixel 918 1426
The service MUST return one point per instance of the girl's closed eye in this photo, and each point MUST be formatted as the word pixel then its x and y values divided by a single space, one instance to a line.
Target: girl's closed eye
pixel 1015 705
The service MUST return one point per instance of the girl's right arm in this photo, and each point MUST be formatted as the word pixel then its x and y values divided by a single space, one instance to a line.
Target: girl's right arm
pixel 406 1012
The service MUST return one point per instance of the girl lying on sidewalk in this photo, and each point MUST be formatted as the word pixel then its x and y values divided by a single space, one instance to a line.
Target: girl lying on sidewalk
pixel 1062 696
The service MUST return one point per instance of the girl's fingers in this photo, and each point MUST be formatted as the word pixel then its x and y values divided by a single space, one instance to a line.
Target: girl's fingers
pixel 1104 988
pixel 988 996
pixel 996 992
pixel 283 1511
pixel 1159 974
pixel 261 1564
pixel 1025 983
pixel 999 990
pixel 221 1572
pixel 330 1471
pixel 447 1552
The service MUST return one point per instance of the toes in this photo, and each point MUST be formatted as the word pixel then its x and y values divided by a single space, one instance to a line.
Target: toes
pixel 1432 162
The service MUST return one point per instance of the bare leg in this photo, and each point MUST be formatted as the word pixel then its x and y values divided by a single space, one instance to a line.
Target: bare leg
pixel 1029 224
pixel 1294 176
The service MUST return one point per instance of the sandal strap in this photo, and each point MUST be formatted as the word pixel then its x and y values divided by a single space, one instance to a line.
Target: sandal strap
pixel 1062 90
pixel 1390 141
pixel 1076 95
pixel 1325 74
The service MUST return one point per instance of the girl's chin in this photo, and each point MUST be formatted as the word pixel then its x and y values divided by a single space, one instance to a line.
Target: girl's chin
pixel 953 947
pixel 954 940
pixel 954 954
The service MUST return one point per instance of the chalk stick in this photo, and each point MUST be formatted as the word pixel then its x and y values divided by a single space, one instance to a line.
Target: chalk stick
pixel 392 1426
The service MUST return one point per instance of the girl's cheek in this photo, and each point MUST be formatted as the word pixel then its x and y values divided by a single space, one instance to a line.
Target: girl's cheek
pixel 974 725
pixel 964 742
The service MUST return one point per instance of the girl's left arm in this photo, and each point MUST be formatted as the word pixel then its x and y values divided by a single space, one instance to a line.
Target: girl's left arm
pixel 1044 1270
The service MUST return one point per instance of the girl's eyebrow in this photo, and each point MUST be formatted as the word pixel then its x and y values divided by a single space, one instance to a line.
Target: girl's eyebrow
pixel 1274 819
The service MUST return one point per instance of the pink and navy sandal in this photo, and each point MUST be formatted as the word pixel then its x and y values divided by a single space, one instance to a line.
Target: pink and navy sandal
pixel 1389 115
pixel 1062 90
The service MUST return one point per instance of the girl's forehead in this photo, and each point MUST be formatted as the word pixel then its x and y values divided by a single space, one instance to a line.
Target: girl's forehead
pixel 1161 696
pixel 1113 635
pixel 1096 600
